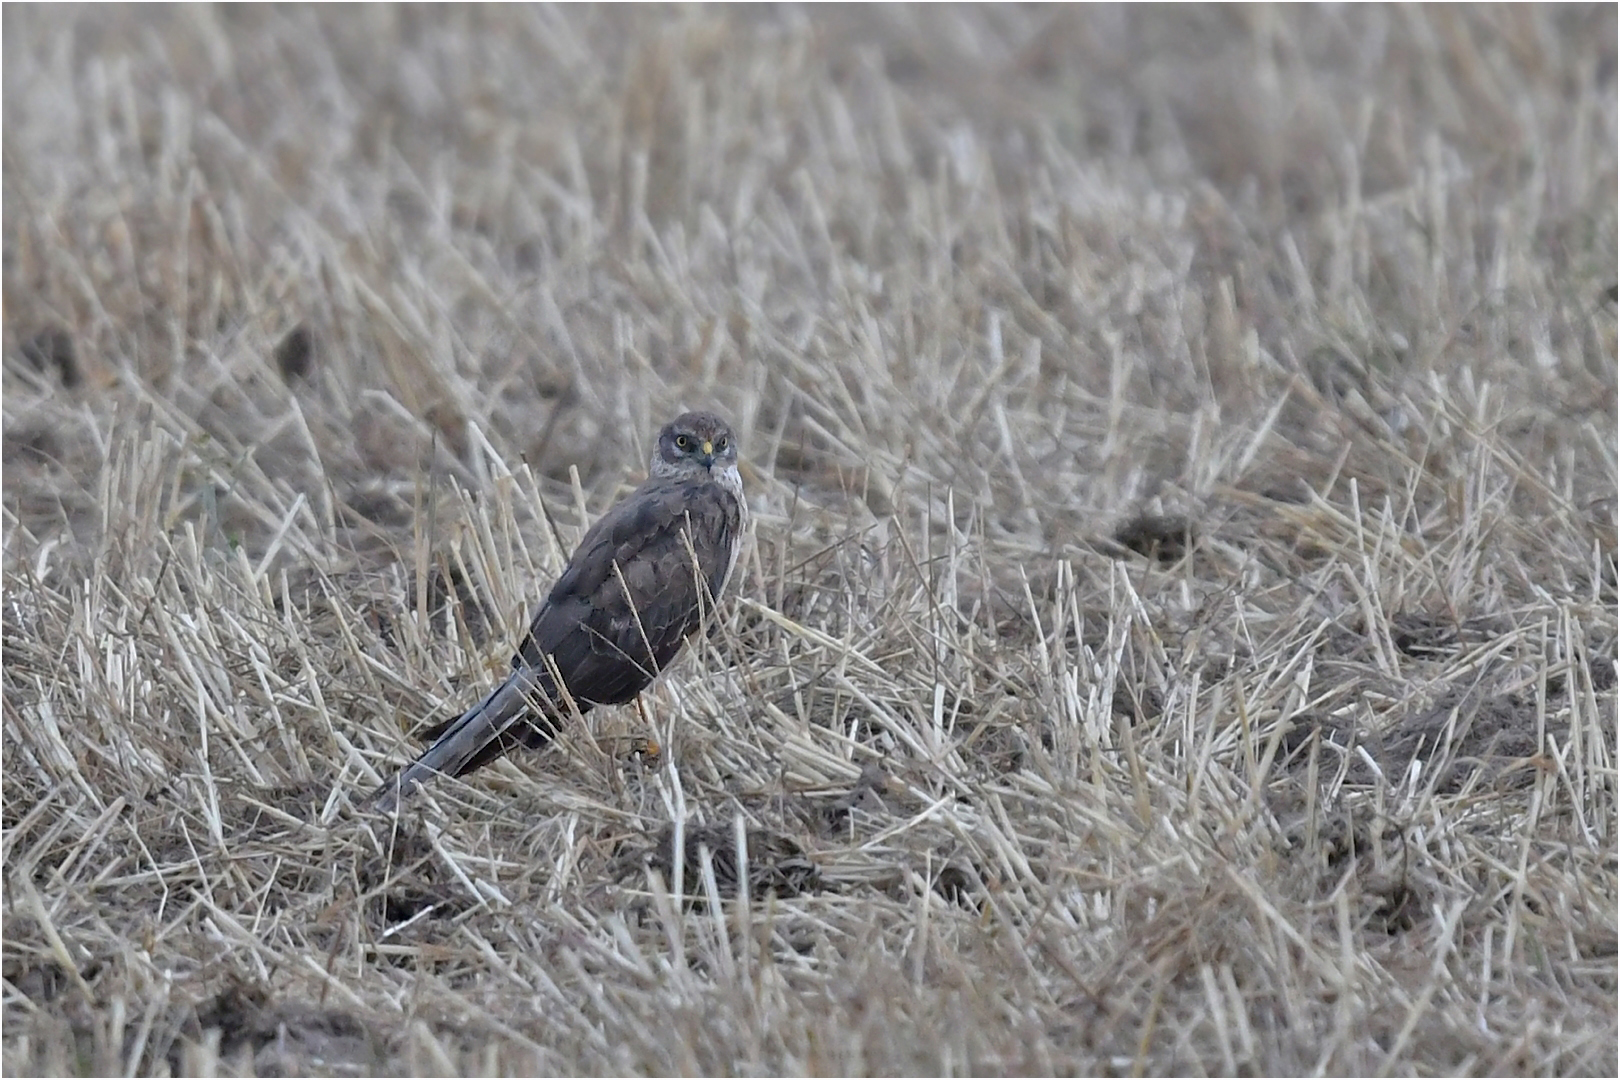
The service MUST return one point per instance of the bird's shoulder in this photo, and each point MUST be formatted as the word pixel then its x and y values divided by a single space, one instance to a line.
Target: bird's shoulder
pixel 647 523
pixel 631 576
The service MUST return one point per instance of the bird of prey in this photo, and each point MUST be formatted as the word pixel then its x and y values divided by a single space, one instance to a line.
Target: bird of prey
pixel 638 585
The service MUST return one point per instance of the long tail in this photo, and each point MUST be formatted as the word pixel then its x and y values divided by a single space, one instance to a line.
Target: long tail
pixel 479 736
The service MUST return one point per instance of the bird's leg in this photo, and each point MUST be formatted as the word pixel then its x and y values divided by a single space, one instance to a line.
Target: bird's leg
pixel 646 746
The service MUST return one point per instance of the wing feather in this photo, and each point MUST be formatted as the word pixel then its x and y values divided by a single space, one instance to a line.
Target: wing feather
pixel 629 597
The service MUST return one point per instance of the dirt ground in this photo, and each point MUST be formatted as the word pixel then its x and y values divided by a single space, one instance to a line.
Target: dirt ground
pixel 1178 632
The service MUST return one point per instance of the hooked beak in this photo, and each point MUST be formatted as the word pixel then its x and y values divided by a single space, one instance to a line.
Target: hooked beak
pixel 708 454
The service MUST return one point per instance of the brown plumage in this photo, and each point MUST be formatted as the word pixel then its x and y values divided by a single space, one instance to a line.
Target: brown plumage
pixel 640 583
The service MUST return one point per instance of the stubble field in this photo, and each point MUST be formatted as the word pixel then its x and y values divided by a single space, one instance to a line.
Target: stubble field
pixel 1178 633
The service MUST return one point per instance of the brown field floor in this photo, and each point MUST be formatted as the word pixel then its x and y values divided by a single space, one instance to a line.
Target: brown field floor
pixel 1178 632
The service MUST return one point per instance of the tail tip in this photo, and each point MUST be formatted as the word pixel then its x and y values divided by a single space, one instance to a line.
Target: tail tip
pixel 387 798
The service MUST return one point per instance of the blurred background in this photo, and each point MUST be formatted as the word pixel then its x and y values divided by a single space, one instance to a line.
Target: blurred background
pixel 1041 255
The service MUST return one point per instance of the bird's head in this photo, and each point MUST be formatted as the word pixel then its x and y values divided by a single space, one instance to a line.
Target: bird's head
pixel 694 444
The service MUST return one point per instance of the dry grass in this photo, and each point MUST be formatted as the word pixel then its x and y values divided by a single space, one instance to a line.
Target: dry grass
pixel 1180 629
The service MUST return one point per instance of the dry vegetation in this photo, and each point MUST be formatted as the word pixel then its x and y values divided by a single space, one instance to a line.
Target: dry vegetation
pixel 1179 632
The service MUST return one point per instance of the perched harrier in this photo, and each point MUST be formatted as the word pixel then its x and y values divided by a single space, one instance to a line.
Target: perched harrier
pixel 637 586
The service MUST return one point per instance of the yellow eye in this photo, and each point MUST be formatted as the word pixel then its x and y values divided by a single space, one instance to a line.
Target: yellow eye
pixel 720 444
pixel 682 442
